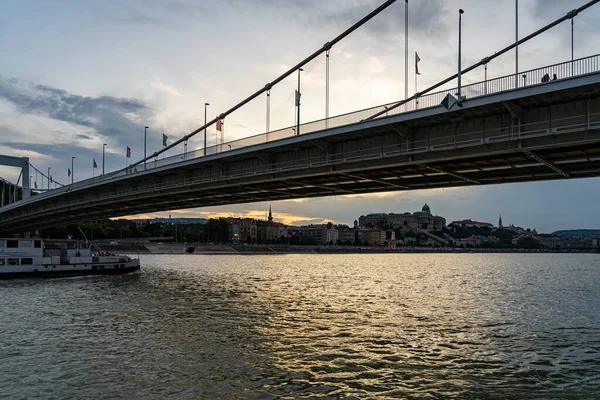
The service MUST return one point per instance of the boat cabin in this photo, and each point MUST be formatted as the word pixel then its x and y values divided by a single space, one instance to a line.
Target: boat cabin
pixel 21 251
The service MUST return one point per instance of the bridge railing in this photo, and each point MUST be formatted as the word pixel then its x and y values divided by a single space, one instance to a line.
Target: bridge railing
pixel 531 77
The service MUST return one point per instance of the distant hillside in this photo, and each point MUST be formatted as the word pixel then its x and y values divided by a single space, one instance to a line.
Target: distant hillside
pixel 581 233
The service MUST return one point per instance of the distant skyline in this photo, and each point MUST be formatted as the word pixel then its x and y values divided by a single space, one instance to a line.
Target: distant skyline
pixel 75 75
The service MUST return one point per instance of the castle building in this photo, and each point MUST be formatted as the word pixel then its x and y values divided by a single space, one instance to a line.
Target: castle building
pixel 422 220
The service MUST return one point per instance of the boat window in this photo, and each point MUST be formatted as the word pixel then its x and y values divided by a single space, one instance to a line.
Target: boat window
pixel 2 261
pixel 12 243
pixel 12 261
pixel 2 243
pixel 26 261
pixel 25 243
pixel 37 244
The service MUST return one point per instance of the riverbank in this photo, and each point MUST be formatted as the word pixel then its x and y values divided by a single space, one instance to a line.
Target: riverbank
pixel 242 249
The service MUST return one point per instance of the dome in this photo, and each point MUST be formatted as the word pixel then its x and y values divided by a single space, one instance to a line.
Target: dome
pixel 426 208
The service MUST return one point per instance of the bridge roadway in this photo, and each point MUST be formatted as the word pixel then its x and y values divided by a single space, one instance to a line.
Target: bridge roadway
pixel 540 132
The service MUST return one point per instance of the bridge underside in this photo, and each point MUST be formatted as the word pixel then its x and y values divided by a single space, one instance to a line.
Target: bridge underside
pixel 530 135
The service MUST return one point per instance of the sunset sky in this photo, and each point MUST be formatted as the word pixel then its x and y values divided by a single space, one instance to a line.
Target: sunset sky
pixel 75 75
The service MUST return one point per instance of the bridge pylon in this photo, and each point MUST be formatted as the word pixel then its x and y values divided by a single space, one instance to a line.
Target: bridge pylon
pixel 23 163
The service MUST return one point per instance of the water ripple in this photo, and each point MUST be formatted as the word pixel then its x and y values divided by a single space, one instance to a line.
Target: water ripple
pixel 309 326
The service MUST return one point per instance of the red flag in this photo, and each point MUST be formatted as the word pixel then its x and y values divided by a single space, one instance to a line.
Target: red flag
pixel 417 59
pixel 219 124
pixel 128 152
pixel 35 184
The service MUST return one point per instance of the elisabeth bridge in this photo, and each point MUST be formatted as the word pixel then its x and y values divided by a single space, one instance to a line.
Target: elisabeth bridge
pixel 540 124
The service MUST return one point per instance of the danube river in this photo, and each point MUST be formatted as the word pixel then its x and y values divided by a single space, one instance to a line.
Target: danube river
pixel 435 326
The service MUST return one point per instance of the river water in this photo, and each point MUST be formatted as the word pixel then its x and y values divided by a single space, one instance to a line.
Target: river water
pixel 431 326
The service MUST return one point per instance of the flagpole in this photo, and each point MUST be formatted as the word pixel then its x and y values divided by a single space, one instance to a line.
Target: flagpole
pixel 460 13
pixel 416 98
pixel 268 110
pixel 406 51
pixel 417 59
pixel 327 89
pixel 517 43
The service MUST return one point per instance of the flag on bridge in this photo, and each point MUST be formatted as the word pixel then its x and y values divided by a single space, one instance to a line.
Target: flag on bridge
pixel 35 184
pixel 417 59
pixel 165 137
pixel 298 94
pixel 219 124
pixel 128 152
pixel 94 163
pixel 68 171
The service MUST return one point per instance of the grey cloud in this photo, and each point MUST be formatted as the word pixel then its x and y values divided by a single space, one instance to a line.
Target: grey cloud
pixel 427 19
pixel 107 115
pixel 156 12
pixel 545 9
pixel 550 10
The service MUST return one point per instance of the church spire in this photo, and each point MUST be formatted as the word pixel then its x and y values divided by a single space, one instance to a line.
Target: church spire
pixel 500 222
pixel 270 214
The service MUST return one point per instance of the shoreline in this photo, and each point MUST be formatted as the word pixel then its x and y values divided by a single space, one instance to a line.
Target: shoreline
pixel 206 249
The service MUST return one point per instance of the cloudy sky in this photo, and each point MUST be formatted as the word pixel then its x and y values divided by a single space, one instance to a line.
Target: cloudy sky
pixel 75 75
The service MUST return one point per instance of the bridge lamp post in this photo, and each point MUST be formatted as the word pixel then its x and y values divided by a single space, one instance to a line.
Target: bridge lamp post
pixel 49 168
pixel 145 129
pixel 205 105
pixel 103 147
pixel 460 13
pixel 72 170
pixel 298 103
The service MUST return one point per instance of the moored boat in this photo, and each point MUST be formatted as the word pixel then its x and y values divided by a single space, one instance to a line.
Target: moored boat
pixel 24 258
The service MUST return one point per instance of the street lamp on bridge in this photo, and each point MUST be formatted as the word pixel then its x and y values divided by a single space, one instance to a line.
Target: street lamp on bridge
pixel 298 103
pixel 205 105
pixel 49 168
pixel 460 13
pixel 145 129
pixel 103 147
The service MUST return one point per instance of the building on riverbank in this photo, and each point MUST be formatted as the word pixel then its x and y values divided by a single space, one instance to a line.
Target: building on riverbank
pixel 423 220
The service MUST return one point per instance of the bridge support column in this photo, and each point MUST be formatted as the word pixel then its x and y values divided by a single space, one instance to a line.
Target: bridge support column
pixel 23 163
pixel 26 182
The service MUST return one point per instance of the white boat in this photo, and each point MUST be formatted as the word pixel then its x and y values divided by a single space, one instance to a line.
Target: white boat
pixel 23 258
